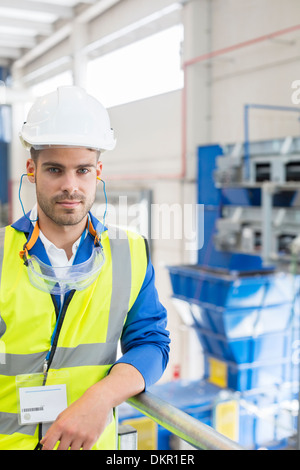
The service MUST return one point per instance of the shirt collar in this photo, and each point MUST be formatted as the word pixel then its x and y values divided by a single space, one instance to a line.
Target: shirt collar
pixel 26 226
pixel 57 256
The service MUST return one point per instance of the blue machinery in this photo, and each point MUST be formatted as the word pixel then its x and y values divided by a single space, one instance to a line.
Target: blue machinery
pixel 247 109
pixel 242 296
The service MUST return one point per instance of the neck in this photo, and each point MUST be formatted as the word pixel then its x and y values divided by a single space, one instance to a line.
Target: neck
pixel 62 236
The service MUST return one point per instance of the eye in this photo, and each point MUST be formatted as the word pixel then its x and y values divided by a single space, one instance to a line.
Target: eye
pixel 83 171
pixel 53 170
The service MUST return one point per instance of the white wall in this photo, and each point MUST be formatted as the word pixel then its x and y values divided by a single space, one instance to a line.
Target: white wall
pixel 260 73
pixel 148 136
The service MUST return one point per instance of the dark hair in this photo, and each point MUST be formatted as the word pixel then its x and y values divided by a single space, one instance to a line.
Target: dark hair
pixel 34 153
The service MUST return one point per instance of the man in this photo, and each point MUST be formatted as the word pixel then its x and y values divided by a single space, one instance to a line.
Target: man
pixel 70 289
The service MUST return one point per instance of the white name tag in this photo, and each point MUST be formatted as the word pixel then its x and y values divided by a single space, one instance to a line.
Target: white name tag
pixel 42 404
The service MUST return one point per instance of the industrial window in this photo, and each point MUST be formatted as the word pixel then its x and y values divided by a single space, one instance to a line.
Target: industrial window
pixel 145 68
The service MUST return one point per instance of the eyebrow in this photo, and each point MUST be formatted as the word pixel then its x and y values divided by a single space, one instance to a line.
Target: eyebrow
pixel 60 165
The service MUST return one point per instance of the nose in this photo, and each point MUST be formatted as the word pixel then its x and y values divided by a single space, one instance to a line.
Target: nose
pixel 69 183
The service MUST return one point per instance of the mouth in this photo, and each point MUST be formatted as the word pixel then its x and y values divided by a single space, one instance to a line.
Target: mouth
pixel 69 204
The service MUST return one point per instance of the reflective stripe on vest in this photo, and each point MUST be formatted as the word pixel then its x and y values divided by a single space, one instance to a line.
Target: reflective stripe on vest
pixel 88 354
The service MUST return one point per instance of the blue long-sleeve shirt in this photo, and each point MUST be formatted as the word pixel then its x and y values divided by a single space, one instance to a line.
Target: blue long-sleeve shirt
pixel 145 340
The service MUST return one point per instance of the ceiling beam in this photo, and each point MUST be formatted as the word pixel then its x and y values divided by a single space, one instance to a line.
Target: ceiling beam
pixel 4 62
pixel 97 9
pixel 41 7
pixel 39 27
pixel 44 45
pixel 10 52
pixel 64 32
pixel 26 42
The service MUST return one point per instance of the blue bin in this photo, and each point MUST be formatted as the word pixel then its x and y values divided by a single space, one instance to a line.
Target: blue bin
pixel 242 377
pixel 211 288
pixel 295 354
pixel 236 323
pixel 263 422
pixel 256 430
pixel 247 349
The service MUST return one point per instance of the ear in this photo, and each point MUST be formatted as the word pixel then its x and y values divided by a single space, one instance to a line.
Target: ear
pixel 30 168
pixel 99 170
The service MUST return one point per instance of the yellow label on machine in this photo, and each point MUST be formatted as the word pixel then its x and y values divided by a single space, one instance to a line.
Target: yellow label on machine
pixel 227 419
pixel 217 372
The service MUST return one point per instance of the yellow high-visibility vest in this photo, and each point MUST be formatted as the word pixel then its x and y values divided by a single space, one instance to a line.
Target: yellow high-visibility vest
pixel 88 339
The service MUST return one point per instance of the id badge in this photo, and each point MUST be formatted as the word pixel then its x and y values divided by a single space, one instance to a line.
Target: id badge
pixel 41 401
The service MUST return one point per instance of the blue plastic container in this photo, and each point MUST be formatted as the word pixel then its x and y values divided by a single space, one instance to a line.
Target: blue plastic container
pixel 295 354
pixel 247 349
pixel 239 322
pixel 231 290
pixel 262 419
pixel 247 376
pixel 257 430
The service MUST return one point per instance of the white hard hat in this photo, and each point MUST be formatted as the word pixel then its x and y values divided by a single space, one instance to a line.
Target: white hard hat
pixel 68 117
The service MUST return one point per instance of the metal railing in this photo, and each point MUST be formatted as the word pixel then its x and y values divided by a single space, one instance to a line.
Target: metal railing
pixel 198 434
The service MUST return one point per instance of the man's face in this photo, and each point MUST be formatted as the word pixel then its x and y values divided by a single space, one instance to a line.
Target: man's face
pixel 66 180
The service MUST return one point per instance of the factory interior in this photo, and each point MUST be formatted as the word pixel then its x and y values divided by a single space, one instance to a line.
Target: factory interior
pixel 204 100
